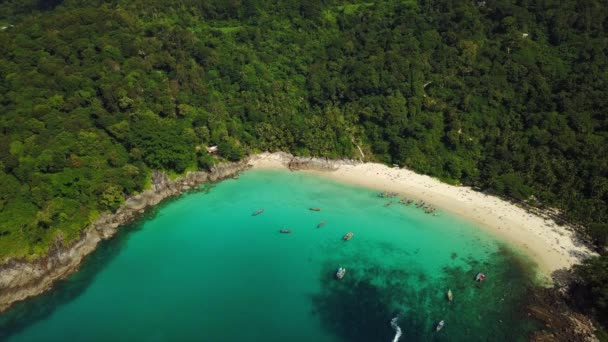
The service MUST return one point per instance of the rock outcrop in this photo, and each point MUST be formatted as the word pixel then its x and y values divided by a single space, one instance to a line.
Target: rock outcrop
pixel 560 323
pixel 306 163
pixel 320 164
pixel 22 279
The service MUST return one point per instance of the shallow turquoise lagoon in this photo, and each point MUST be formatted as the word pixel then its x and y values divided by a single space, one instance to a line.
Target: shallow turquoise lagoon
pixel 202 268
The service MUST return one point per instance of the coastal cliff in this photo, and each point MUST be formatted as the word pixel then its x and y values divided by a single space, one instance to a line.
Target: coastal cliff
pixel 22 279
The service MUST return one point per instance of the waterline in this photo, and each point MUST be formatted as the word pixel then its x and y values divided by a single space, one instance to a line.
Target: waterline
pixel 203 262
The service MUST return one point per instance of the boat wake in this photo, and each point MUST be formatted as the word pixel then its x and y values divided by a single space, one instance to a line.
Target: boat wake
pixel 397 329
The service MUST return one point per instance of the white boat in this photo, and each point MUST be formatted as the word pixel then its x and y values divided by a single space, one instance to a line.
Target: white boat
pixel 440 325
pixel 341 272
pixel 450 295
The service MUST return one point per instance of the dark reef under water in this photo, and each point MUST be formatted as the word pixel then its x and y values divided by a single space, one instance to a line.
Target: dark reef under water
pixel 384 280
pixel 360 306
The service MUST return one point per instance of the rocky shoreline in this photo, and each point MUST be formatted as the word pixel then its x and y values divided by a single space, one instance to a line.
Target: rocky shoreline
pixel 302 163
pixel 21 279
pixel 549 306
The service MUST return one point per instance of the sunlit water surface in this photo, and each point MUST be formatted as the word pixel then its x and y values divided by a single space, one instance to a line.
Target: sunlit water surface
pixel 203 268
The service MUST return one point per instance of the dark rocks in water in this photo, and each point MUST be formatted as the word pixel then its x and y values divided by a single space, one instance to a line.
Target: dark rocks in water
pixel 361 307
pixel 354 311
pixel 561 323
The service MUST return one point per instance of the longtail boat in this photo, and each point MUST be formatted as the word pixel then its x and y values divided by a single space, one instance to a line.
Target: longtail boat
pixel 321 224
pixel 315 209
pixel 348 236
pixel 285 231
pixel 257 212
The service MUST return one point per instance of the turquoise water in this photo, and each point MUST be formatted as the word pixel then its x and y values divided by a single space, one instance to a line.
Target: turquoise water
pixel 203 268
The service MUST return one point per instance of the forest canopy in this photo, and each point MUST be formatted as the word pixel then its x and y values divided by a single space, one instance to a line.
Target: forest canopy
pixel 507 96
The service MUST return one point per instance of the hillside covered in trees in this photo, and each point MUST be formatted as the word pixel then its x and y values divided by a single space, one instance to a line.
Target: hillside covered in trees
pixel 507 96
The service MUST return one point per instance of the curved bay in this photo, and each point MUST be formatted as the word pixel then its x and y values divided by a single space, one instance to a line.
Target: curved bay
pixel 203 268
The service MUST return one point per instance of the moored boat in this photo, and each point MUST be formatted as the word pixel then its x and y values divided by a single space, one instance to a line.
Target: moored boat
pixel 315 209
pixel 321 224
pixel 341 272
pixel 388 203
pixel 348 236
pixel 450 295
pixel 257 212
pixel 440 325
pixel 285 231
pixel 480 277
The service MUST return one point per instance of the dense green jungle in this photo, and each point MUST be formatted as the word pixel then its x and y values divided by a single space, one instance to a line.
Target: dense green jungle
pixel 510 97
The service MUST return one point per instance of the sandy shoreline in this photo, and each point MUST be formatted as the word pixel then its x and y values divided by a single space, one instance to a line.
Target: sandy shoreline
pixel 551 246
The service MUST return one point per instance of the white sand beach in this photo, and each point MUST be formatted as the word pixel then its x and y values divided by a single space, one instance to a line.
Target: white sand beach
pixel 551 246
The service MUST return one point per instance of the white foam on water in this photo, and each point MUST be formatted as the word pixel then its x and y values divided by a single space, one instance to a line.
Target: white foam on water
pixel 397 329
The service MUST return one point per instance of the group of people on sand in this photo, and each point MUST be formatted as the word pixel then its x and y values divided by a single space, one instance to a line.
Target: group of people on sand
pixel 385 194
pixel 428 209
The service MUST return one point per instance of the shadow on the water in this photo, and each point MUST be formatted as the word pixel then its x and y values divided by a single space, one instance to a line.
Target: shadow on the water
pixel 25 313
pixel 361 305
pixel 32 310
